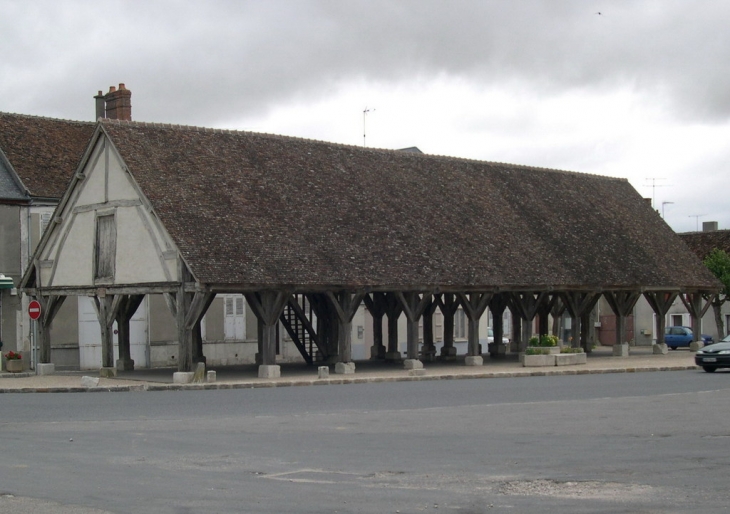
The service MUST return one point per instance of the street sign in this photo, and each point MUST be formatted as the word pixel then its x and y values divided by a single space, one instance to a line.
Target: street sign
pixel 34 309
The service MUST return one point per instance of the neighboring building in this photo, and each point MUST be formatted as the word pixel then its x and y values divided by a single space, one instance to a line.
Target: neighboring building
pixel 308 230
pixel 37 158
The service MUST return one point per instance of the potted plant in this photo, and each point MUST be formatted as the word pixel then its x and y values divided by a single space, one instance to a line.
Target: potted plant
pixel 13 362
pixel 536 356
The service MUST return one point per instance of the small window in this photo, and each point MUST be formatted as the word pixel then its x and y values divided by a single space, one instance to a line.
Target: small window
pixel 460 330
pixel 106 247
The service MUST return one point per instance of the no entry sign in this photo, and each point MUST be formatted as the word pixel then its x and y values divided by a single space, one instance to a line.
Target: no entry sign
pixel 34 309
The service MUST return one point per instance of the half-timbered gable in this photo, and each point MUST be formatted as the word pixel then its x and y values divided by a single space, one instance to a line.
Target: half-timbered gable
pixel 104 232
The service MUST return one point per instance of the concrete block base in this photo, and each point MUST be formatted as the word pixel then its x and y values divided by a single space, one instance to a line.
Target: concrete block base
pixel 696 345
pixel 530 361
pixel 269 371
pixel 182 377
pixel 125 365
pixel 660 349
pixel 474 360
pixel 45 368
pixel 108 372
pixel 323 372
pixel 211 376
pixel 412 364
pixel 393 356
pixel 89 381
pixel 345 368
pixel 621 350
pixel 416 372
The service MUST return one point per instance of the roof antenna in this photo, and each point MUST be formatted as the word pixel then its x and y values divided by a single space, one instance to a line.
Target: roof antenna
pixel 697 219
pixel 364 114
pixel 653 186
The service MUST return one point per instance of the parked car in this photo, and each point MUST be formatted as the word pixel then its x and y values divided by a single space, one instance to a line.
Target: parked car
pixel 490 337
pixel 714 356
pixel 682 336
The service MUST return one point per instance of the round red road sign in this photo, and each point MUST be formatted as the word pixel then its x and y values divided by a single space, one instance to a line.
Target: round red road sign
pixel 34 309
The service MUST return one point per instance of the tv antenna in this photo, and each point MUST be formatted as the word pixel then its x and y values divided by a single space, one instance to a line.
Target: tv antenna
pixel 653 186
pixel 697 219
pixel 663 204
pixel 364 115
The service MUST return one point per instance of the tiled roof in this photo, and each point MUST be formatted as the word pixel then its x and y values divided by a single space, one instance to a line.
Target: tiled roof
pixel 43 151
pixel 702 243
pixel 272 211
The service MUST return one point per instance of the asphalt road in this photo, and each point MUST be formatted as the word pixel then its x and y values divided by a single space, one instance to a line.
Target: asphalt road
pixel 643 442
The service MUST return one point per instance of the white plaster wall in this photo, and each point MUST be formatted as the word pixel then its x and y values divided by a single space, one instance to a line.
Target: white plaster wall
pixel 137 258
pixel 74 262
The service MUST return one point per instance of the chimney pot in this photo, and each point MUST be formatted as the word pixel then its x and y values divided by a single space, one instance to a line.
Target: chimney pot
pixel 709 226
pixel 115 105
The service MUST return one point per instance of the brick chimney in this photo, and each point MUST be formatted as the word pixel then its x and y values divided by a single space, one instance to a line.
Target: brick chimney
pixel 115 105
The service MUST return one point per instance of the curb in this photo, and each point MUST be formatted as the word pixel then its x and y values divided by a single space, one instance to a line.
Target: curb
pixel 338 381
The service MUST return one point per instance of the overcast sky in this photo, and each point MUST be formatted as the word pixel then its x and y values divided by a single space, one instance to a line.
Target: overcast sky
pixel 641 90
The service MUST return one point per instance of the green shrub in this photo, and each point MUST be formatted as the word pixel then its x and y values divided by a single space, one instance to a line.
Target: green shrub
pixel 532 350
pixel 568 349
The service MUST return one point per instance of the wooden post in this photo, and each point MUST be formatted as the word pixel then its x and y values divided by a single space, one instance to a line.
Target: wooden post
pixel 474 306
pixel 413 306
pixel 497 306
pixel 268 306
pixel 50 305
pixel 345 306
pixel 448 304
pixel 660 302
pixel 127 308
pixel 393 312
pixel 377 306
pixel 693 303
pixel 429 348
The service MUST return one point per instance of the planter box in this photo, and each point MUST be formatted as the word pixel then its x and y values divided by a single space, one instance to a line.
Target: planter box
pixel 530 361
pixel 570 359
pixel 14 365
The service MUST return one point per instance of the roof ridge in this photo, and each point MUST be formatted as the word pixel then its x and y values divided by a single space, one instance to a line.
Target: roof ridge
pixel 48 118
pixel 195 128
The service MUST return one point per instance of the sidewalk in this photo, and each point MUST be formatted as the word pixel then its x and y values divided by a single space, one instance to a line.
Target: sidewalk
pixel 600 360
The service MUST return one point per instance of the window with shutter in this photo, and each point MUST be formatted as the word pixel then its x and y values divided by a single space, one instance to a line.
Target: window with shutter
pixel 106 247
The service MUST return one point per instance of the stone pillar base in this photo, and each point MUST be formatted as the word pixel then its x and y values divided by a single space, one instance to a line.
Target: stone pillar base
pixel 497 349
pixel 428 353
pixel 108 372
pixel 269 371
pixel 448 353
pixel 412 364
pixel 46 368
pixel 474 360
pixel 660 349
pixel 621 350
pixel 696 345
pixel 210 376
pixel 323 372
pixel 182 377
pixel 393 356
pixel 125 365
pixel 345 368
pixel 377 352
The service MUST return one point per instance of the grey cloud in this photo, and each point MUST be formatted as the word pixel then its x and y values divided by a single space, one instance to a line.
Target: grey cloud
pixel 209 62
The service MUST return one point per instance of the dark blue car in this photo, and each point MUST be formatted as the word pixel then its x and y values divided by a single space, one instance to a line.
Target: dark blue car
pixel 682 336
